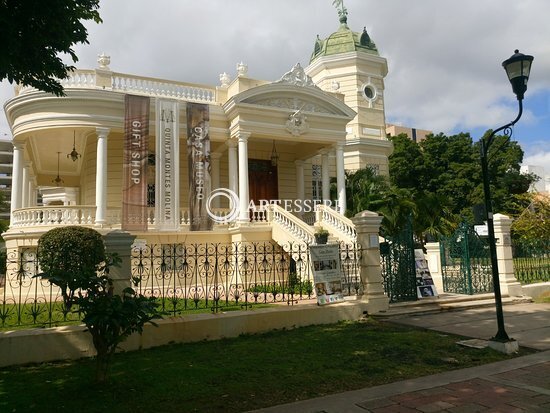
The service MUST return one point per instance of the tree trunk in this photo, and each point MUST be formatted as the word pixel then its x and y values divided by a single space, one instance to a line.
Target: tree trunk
pixel 102 368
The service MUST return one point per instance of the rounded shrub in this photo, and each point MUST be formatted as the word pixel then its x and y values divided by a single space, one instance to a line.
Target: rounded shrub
pixel 70 256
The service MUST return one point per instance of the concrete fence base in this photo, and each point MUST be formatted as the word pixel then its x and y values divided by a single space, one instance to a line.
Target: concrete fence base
pixel 74 342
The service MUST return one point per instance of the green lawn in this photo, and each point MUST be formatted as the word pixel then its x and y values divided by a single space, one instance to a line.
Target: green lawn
pixel 236 375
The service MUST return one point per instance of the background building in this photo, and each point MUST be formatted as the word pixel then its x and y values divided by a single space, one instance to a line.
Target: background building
pixel 6 165
pixel 543 184
pixel 416 135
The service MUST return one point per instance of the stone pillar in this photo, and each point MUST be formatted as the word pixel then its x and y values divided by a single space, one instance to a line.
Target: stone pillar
pixel 300 187
pixel 17 175
pixel 367 226
pixel 120 242
pixel 340 179
pixel 215 163
pixel 244 201
pixel 509 285
pixel 101 177
pixel 325 178
pixel 433 253
pixel 233 165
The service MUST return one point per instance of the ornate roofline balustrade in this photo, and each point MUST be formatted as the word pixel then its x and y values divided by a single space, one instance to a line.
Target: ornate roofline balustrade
pixel 126 83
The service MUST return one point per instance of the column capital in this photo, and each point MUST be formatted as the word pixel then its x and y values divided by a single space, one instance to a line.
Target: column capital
pixel 242 136
pixel 231 143
pixel 19 145
pixel 102 131
pixel 340 146
pixel 299 162
pixel 367 222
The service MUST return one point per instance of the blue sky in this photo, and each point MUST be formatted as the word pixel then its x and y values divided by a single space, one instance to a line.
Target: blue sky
pixel 444 57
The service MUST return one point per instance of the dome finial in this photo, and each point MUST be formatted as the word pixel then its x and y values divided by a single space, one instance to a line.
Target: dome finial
pixel 342 11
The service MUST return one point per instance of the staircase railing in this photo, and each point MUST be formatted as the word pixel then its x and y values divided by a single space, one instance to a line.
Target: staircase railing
pixel 289 228
pixel 336 224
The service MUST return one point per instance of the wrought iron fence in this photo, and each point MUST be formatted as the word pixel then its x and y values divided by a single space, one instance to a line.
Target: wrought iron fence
pixel 233 276
pixel 398 266
pixel 27 300
pixel 183 277
pixel 465 263
pixel 531 260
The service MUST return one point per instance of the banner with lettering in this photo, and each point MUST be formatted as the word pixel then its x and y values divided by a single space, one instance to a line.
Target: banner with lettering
pixel 134 168
pixel 325 260
pixel 167 159
pixel 198 156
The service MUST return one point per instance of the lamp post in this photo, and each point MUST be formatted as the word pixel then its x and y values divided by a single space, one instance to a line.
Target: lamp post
pixel 517 68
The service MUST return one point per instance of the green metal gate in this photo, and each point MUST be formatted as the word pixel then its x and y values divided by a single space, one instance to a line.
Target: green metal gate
pixel 465 262
pixel 398 267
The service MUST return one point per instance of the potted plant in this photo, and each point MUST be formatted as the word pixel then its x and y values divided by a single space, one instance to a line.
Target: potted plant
pixel 321 236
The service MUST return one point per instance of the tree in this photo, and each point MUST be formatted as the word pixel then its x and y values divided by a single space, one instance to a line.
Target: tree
pixel 73 258
pixel 533 223
pixel 406 163
pixel 112 318
pixel 365 190
pixel 452 169
pixel 34 35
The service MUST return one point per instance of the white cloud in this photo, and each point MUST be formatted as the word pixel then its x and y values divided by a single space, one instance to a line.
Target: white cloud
pixel 444 57
pixel 539 159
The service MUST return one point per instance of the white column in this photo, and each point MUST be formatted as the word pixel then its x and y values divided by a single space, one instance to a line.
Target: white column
pixel 233 165
pixel 325 178
pixel 101 177
pixel 300 188
pixel 215 163
pixel 243 178
pixel 340 179
pixel 25 189
pixel 17 175
pixel 32 192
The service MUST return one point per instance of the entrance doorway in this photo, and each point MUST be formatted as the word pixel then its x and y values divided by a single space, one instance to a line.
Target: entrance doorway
pixel 263 181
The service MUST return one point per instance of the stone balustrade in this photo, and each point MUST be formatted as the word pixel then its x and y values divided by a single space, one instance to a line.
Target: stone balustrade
pixel 126 83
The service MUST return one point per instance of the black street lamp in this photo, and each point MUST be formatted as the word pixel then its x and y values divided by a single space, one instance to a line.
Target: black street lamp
pixel 517 68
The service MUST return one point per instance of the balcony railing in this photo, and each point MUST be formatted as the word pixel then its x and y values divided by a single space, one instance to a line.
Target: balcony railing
pixel 126 83
pixel 47 216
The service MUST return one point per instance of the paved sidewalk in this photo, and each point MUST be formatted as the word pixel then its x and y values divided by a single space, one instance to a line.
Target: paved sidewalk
pixel 528 323
pixel 518 385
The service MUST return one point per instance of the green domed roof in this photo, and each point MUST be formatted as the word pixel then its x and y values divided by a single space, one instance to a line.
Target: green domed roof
pixel 343 41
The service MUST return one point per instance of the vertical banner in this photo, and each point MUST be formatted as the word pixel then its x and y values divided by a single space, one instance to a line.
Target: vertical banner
pixel 325 260
pixel 134 168
pixel 167 163
pixel 198 156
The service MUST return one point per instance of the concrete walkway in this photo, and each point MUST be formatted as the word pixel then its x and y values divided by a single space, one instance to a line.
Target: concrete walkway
pixel 517 385
pixel 528 323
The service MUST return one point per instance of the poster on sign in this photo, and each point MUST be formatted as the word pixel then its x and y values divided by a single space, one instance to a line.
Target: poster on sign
pixel 327 276
pixel 425 287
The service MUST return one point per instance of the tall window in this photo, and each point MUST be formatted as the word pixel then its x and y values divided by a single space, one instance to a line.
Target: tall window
pixel 316 182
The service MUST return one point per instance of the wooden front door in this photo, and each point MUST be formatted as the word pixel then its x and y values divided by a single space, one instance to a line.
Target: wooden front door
pixel 262 180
